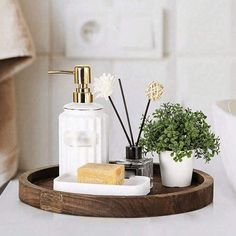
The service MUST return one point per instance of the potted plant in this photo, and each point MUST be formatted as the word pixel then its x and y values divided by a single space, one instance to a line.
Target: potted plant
pixel 178 135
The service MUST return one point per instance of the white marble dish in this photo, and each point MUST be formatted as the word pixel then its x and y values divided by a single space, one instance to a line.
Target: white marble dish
pixel 134 186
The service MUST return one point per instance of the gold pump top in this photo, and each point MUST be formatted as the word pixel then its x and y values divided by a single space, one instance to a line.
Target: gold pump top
pixel 82 78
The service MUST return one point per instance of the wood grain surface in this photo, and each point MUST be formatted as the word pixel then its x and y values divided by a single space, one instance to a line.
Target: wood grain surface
pixel 36 189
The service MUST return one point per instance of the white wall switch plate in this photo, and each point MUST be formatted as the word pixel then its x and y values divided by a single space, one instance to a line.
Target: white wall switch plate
pixel 136 33
pixel 111 32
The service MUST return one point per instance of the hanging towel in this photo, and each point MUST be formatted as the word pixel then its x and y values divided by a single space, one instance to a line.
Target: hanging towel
pixel 16 52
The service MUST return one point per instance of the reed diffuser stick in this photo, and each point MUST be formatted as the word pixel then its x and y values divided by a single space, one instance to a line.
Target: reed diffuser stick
pixel 126 111
pixel 144 118
pixel 103 87
pixel 154 91
pixel 118 116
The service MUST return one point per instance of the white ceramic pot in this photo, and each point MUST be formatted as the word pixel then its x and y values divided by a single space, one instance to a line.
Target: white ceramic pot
pixel 176 174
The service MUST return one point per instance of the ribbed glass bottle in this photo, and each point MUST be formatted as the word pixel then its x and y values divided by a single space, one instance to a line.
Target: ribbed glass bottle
pixel 82 136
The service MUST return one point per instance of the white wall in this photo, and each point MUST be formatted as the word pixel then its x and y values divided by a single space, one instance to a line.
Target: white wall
pixel 197 68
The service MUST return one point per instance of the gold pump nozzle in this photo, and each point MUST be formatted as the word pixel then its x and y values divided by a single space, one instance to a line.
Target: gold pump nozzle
pixel 82 77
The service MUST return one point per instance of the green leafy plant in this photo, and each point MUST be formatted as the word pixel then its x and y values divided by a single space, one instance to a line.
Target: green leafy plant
pixel 180 130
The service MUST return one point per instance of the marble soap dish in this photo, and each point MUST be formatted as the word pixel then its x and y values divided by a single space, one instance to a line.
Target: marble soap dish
pixel 134 186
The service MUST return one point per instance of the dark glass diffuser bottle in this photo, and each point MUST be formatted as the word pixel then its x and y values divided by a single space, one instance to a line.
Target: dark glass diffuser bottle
pixel 135 164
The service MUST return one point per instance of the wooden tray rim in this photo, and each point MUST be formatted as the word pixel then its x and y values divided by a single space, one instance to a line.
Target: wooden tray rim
pixel 207 182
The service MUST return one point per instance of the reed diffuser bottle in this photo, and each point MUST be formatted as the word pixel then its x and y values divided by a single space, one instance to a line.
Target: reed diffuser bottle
pixel 82 126
pixel 136 164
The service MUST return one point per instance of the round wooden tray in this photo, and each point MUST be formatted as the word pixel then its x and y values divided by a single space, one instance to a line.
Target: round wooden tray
pixel 36 189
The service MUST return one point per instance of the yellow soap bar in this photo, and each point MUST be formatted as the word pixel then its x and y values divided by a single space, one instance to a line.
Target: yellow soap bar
pixel 101 174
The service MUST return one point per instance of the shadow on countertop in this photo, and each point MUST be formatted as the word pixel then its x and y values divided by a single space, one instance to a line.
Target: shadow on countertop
pixel 3 187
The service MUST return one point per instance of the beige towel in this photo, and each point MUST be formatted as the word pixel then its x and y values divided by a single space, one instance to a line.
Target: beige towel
pixel 16 52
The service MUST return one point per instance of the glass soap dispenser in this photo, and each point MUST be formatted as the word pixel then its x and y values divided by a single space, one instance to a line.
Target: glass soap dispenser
pixel 83 135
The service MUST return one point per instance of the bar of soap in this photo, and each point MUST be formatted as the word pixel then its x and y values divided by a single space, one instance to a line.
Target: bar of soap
pixel 101 174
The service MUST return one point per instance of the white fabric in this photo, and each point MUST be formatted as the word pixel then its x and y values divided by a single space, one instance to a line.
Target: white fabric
pixel 16 52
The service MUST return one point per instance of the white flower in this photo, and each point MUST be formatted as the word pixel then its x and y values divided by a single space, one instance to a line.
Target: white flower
pixel 104 85
pixel 154 90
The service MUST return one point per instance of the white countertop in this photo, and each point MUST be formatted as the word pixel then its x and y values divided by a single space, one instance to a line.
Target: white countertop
pixel 219 218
